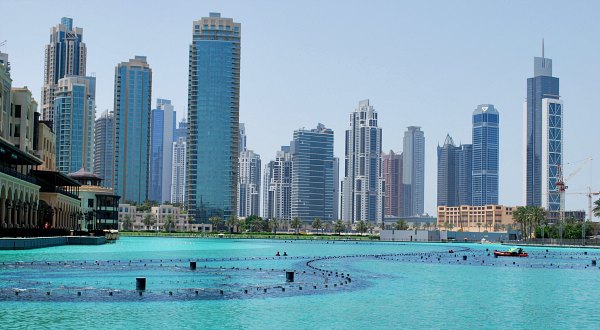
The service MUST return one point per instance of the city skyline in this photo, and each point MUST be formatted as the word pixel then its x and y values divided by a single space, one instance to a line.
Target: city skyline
pixel 403 102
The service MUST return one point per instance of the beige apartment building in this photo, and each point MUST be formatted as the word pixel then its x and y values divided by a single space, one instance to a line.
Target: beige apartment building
pixel 491 218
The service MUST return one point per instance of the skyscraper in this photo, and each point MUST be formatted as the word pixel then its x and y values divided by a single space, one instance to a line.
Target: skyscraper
pixel 363 186
pixel 392 175
pixel 213 114
pixel 178 171
pixel 65 55
pixel 454 174
pixel 486 140
pixel 413 171
pixel 104 148
pixel 74 115
pixel 162 124
pixel 277 196
pixel 542 136
pixel 181 130
pixel 249 179
pixel 133 87
pixel 312 174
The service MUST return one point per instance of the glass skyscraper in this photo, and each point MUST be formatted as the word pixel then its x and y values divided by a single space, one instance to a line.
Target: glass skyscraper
pixel 65 54
pixel 392 174
pixel 454 174
pixel 133 87
pixel 363 186
pixel 213 114
pixel 413 171
pixel 162 125
pixel 104 154
pixel 486 140
pixel 312 174
pixel 542 136
pixel 74 115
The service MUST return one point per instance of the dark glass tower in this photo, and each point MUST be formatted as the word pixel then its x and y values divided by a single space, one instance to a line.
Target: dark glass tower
pixel 485 155
pixel 213 114
pixel 454 174
pixel 541 86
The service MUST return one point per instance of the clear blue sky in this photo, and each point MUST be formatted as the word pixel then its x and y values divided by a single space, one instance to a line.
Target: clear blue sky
pixel 424 63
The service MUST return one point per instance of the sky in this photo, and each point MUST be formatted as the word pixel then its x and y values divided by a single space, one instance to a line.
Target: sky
pixel 304 62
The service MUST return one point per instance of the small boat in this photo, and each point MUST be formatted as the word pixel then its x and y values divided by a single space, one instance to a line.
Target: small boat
pixel 512 252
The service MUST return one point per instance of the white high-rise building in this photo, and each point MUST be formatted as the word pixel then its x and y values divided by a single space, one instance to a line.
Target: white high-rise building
pixel 178 171
pixel 277 197
pixel 413 172
pixel 363 185
pixel 249 184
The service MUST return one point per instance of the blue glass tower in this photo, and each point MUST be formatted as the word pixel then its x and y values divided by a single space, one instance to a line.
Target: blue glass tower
pixel 486 139
pixel 454 174
pixel 539 173
pixel 312 174
pixel 213 114
pixel 133 87
pixel 74 114
pixel 162 126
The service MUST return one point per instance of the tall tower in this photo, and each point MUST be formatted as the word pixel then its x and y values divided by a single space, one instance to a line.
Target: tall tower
pixel 277 196
pixel 454 174
pixel 178 171
pixel 74 115
pixel 312 174
pixel 66 54
pixel 413 171
pixel 363 186
pixel 542 136
pixel 249 179
pixel 133 89
pixel 162 124
pixel 213 114
pixel 486 140
pixel 104 148
pixel 392 175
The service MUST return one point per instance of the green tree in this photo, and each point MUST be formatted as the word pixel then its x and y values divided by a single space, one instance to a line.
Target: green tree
pixel 169 223
pixel 417 225
pixel 596 209
pixel 327 226
pixel 231 223
pixel 216 222
pixel 361 227
pixel 274 224
pixel 339 227
pixel 148 220
pixel 317 224
pixel 127 223
pixel 401 225
pixel 296 224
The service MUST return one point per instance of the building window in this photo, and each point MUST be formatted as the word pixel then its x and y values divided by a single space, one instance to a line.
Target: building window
pixel 90 203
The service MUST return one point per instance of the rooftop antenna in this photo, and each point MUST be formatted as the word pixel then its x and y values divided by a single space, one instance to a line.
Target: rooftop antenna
pixel 543 48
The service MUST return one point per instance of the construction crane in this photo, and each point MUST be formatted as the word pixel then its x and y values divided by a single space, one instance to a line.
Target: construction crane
pixel 561 187
pixel 2 43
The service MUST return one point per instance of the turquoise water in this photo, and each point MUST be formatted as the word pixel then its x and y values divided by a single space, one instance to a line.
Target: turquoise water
pixel 391 285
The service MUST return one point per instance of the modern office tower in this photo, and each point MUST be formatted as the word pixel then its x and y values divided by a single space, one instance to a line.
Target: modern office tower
pixel 413 171
pixel 178 171
pixel 486 140
pixel 312 174
pixel 22 118
pixel 454 174
pixel 213 114
pixel 336 188
pixel 181 130
pixel 133 89
pixel 249 179
pixel 277 197
pixel 392 175
pixel 542 136
pixel 363 186
pixel 162 124
pixel 65 55
pixel 249 184
pixel 5 84
pixel 104 148
pixel 74 115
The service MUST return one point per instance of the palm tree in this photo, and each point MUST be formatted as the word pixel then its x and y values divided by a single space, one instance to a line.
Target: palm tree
pixel 169 223
pixel 328 225
pixel 296 224
pixel 216 222
pixel 127 223
pixel 317 224
pixel 417 225
pixel 361 227
pixel 400 225
pixel 274 224
pixel 427 225
pixel 148 220
pixel 339 226
pixel 231 223
pixel 596 209
pixel 520 217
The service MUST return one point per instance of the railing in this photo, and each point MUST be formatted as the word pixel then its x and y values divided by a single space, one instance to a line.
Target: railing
pixel 558 241
pixel 12 172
